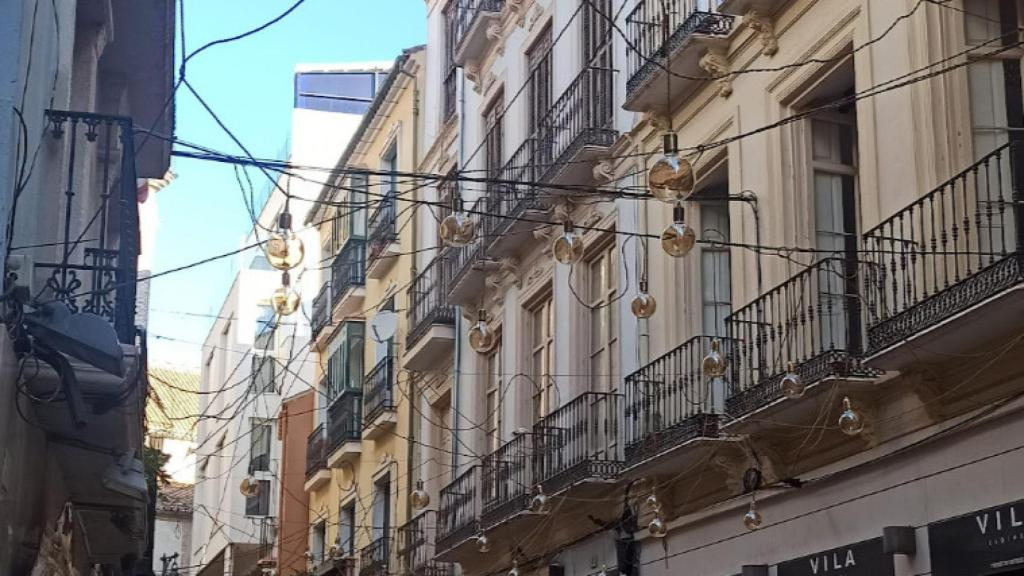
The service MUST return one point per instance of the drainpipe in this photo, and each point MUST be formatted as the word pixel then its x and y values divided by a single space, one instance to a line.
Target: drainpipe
pixel 457 372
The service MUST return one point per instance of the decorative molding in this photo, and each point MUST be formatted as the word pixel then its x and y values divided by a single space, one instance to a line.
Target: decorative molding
pixel 765 29
pixel 716 64
pixel 518 8
pixel 495 32
pixel 472 74
pixel 604 172
pixel 535 14
pixel 489 82
pixel 535 275
pixel 656 119
pixel 592 218
pixel 732 465
pixel 561 210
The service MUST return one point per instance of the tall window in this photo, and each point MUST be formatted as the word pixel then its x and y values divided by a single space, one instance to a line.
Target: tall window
pixel 450 14
pixel 264 338
pixel 345 364
pixel 715 274
pixel 260 439
pixel 597 56
pixel 492 375
pixel 356 221
pixel 317 544
pixel 259 503
pixel 347 529
pixel 539 91
pixel 494 133
pixel 264 374
pixel 603 277
pixel 994 82
pixel 381 508
pixel 542 345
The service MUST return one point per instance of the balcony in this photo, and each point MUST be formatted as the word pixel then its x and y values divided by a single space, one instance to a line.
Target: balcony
pixel 512 203
pixel 812 320
pixel 431 318
pixel 345 566
pixel 416 547
pixel 579 442
pixel 348 275
pixel 507 480
pixel 671 405
pixel 458 511
pixel 692 34
pixel 578 129
pixel 742 7
pixel 317 472
pixel 945 272
pixel 382 238
pixel 472 18
pixel 375 558
pixel 465 267
pixel 321 311
pixel 344 428
pixel 379 400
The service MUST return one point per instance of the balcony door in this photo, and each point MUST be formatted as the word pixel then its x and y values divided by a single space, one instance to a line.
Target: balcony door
pixel 597 56
pixel 540 96
pixel 381 511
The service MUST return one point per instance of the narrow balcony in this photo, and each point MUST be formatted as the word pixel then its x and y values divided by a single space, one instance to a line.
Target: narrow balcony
pixel 472 18
pixel 379 399
pixel 348 276
pixel 416 547
pixel 382 238
pixel 743 7
pixel 579 442
pixel 507 480
pixel 344 566
pixel 375 558
pixel 344 428
pixel 431 318
pixel 945 272
pixel 458 513
pixel 321 311
pixel 673 406
pixel 578 129
pixel 465 267
pixel 692 33
pixel 317 472
pixel 513 207
pixel 812 320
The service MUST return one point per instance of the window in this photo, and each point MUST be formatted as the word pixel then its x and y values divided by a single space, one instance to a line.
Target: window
pixel 542 344
pixel 345 364
pixel 451 15
pixel 259 445
pixel 492 409
pixel 356 221
pixel 347 529
pixel 993 82
pixel 381 508
pixel 264 374
pixel 318 543
pixel 539 88
pixel 259 503
pixel 603 277
pixel 715 274
pixel 494 134
pixel 265 325
pixel 597 55
pixel 347 92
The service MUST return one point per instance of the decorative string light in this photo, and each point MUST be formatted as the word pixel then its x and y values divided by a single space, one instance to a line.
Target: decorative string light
pixel 643 305
pixel 285 299
pixel 850 421
pixel 753 519
pixel 419 497
pixel 670 179
pixel 515 569
pixel 714 363
pixel 792 384
pixel 657 527
pixel 457 229
pixel 540 503
pixel 483 543
pixel 568 246
pixel 481 337
pixel 284 248
pixel 678 238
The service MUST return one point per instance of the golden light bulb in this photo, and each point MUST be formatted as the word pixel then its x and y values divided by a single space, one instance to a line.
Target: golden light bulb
pixel 850 421
pixel 483 544
pixel 714 363
pixel 540 504
pixel 678 238
pixel 285 300
pixel 481 337
pixel 284 248
pixel 652 503
pixel 792 384
pixel 419 497
pixel 458 229
pixel 643 305
pixel 568 246
pixel 657 527
pixel 515 570
pixel 670 179
pixel 752 519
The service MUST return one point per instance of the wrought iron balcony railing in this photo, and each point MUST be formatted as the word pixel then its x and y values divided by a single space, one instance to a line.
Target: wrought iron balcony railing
pixel 517 191
pixel 582 116
pixel 348 269
pixel 94 268
pixel 379 390
pixel 458 509
pixel 507 479
pixel 321 312
pixel 316 450
pixel 812 320
pixel 579 441
pixel 416 547
pixel 468 13
pixel 947 251
pixel 428 302
pixel 645 31
pixel 380 229
pixel 344 419
pixel 670 400
pixel 459 261
pixel 375 557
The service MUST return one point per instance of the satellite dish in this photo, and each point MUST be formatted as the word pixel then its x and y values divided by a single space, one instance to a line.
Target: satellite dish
pixel 249 487
pixel 383 326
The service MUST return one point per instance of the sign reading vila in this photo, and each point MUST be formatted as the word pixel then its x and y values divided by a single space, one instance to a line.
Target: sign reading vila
pixel 862 559
pixel 990 540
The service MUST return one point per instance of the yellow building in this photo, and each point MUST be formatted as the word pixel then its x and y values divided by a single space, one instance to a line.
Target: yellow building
pixel 358 467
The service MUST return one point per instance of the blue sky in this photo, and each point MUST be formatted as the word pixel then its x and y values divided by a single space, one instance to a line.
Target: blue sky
pixel 249 84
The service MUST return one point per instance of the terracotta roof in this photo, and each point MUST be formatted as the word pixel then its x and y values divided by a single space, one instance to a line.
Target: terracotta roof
pixel 173 402
pixel 174 497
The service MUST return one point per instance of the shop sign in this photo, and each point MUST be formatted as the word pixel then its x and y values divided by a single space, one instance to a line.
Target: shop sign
pixel 862 559
pixel 984 542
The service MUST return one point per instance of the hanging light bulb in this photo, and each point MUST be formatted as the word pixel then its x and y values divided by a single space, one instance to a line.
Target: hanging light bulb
pixel 752 519
pixel 419 497
pixel 457 229
pixel 643 305
pixel 483 543
pixel 285 300
pixel 284 248
pixel 792 384
pixel 604 570
pixel 657 527
pixel 671 177
pixel 540 503
pixel 678 238
pixel 568 246
pixel 481 336
pixel 850 421
pixel 714 362
pixel 653 504
pixel 515 569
